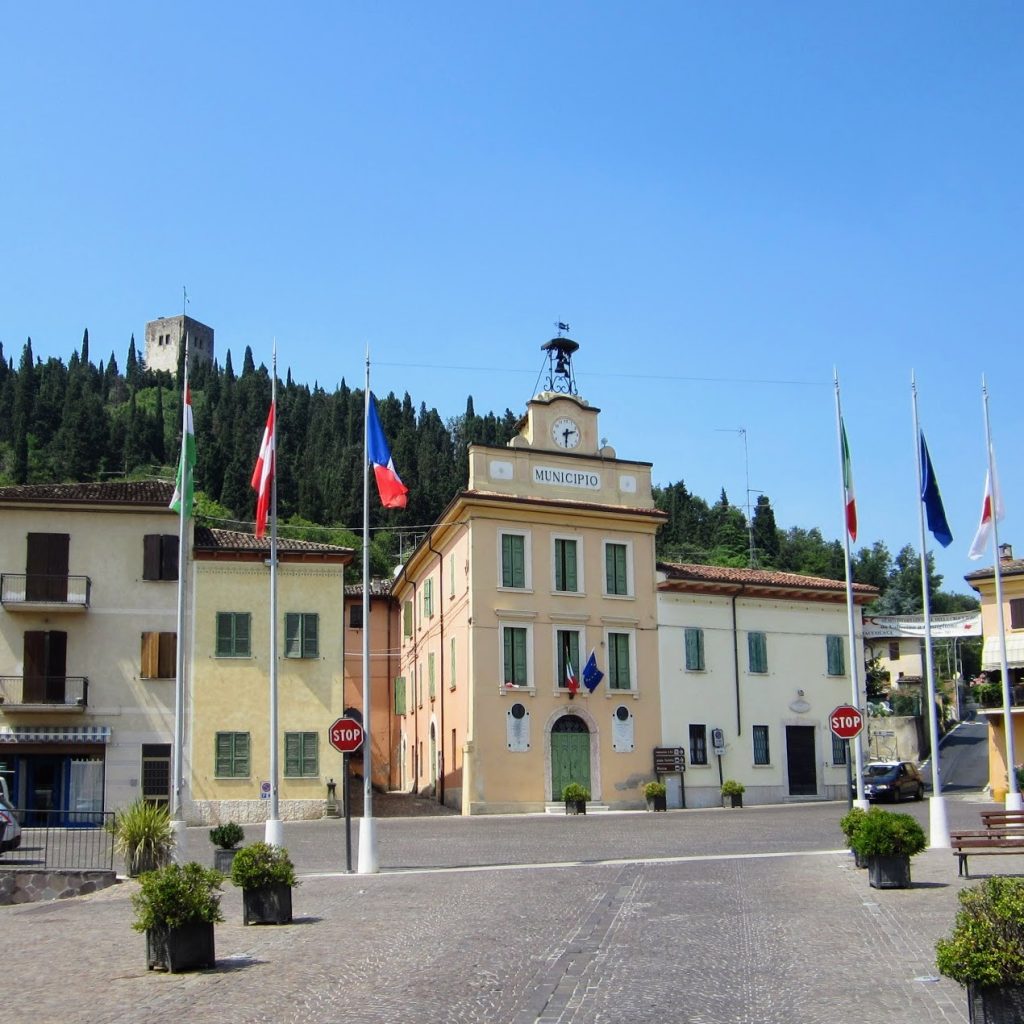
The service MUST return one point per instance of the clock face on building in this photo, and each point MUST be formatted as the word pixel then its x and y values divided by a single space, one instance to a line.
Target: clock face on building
pixel 565 432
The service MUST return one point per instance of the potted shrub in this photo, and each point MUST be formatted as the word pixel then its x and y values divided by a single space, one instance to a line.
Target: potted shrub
pixel 266 876
pixel 226 839
pixel 887 841
pixel 849 823
pixel 177 907
pixel 143 836
pixel 655 794
pixel 734 791
pixel 575 797
pixel 985 953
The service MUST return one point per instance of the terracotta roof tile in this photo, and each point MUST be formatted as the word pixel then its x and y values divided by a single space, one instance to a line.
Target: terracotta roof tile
pixel 378 588
pixel 109 492
pixel 1007 567
pixel 209 539
pixel 691 572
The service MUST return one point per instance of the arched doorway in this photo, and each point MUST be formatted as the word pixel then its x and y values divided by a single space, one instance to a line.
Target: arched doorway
pixel 570 754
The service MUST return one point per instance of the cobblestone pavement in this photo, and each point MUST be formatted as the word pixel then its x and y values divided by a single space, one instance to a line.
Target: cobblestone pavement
pixel 705 917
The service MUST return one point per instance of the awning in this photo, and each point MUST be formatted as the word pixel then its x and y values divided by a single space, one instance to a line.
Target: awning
pixel 990 656
pixel 54 733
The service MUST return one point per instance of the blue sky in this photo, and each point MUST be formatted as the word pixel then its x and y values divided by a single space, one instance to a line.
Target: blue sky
pixel 725 201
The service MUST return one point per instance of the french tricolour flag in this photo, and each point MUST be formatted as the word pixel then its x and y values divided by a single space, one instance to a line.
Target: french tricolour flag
pixel 390 487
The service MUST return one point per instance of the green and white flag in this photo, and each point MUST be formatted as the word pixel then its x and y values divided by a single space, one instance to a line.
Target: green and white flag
pixel 183 484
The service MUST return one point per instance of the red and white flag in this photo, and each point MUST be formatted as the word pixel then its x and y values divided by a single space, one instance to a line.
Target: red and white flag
pixel 263 475
pixel 992 511
pixel 572 684
pixel 849 495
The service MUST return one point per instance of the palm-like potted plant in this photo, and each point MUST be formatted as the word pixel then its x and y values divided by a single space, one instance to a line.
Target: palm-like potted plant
pixel 985 953
pixel 887 841
pixel 655 795
pixel 849 823
pixel 143 836
pixel 225 838
pixel 177 907
pixel 575 797
pixel 734 791
pixel 266 876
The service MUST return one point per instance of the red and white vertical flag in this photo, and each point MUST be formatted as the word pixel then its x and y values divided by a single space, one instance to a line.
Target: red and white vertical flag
pixel 992 511
pixel 572 684
pixel 263 475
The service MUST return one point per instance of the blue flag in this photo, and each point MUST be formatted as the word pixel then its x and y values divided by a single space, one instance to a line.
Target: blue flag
pixel 932 499
pixel 592 675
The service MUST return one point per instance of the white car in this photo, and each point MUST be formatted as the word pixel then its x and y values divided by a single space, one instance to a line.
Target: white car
pixel 12 832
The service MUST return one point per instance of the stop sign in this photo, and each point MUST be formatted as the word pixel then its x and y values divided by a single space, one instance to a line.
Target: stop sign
pixel 846 721
pixel 346 735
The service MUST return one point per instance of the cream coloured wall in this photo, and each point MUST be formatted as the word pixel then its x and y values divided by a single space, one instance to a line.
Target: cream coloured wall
pixel 104 641
pixel 232 694
pixel 797 661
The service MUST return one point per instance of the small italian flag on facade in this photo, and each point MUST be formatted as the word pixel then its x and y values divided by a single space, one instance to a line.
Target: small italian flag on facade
pixel 848 493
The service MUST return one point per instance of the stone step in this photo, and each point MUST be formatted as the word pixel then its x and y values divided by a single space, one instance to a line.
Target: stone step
pixel 592 808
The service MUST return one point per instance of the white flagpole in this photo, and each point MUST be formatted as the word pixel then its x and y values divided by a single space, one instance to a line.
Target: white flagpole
pixel 180 853
pixel 368 861
pixel 858 744
pixel 1013 797
pixel 274 829
pixel 937 819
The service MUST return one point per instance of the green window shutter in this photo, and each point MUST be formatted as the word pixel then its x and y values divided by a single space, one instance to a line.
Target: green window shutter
pixel 428 599
pixel 311 635
pixel 513 560
pixel 292 754
pixel 615 569
pixel 451 666
pixel 618 661
pixel 565 566
pixel 407 619
pixel 694 650
pixel 451 576
pixel 519 655
pixel 834 650
pixel 241 755
pixel 225 634
pixel 757 651
pixel 431 676
pixel 292 635
pixel 399 695
pixel 223 754
pixel 243 630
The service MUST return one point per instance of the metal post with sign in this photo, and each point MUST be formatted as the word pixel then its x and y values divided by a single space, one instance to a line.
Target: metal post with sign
pixel 846 723
pixel 672 761
pixel 346 736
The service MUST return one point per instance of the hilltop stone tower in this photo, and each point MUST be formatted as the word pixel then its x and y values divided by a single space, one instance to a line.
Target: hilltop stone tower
pixel 163 337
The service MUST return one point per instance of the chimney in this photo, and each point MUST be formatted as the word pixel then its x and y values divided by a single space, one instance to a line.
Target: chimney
pixel 1005 552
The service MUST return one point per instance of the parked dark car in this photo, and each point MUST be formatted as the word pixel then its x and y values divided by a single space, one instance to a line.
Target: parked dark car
pixel 11 838
pixel 892 780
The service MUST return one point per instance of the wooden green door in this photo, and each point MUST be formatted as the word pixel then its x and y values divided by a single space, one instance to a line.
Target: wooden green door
pixel 570 754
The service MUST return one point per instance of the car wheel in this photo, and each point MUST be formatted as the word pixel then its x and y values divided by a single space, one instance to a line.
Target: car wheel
pixel 919 795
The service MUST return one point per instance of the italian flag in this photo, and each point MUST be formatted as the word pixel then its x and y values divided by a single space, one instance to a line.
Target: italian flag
pixel 183 484
pixel 849 497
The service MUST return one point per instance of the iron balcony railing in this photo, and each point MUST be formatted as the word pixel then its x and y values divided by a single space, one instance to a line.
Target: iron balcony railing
pixel 44 691
pixel 70 592
pixel 80 840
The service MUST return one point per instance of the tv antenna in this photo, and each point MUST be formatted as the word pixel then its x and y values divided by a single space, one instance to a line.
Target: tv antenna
pixel 742 431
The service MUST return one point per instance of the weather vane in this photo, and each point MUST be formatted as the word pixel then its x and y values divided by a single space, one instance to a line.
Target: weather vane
pixel 561 327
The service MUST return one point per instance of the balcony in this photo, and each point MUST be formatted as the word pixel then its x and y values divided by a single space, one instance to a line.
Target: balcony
pixel 43 694
pixel 35 593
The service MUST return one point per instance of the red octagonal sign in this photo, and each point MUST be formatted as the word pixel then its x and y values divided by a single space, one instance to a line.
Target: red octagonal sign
pixel 346 735
pixel 846 721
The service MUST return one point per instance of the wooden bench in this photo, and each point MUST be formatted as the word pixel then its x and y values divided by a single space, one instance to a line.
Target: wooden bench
pixel 993 840
pixel 1003 819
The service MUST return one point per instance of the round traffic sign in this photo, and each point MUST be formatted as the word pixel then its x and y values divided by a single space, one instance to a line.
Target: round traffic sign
pixel 346 735
pixel 846 721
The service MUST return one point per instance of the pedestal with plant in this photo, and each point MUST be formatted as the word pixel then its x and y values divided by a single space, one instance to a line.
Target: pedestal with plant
pixel 226 838
pixel 656 796
pixel 142 836
pixel 985 952
pixel 733 792
pixel 575 797
pixel 177 907
pixel 887 841
pixel 266 876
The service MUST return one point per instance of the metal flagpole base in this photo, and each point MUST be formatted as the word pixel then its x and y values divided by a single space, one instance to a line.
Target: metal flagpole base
pixel 938 824
pixel 1013 802
pixel 862 805
pixel 179 853
pixel 275 832
pixel 368 864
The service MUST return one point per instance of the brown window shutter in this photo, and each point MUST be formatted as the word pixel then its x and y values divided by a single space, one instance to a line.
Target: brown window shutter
pixel 151 556
pixel 167 668
pixel 150 655
pixel 169 557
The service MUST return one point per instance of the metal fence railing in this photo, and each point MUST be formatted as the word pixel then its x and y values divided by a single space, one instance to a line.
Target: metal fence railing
pixel 63 839
pixel 35 588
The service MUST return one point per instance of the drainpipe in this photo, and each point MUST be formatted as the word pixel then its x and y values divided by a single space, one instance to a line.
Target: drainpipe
pixel 415 696
pixel 736 660
pixel 440 674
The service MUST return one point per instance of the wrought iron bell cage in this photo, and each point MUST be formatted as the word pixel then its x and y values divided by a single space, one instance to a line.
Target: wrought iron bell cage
pixel 560 378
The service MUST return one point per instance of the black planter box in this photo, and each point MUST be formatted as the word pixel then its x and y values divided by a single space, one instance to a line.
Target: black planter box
pixel 223 859
pixel 1000 1004
pixel 188 947
pixel 270 905
pixel 889 872
pixel 657 803
pixel 575 806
